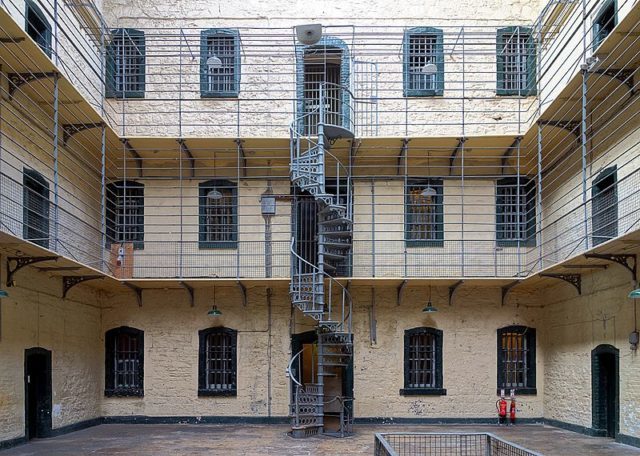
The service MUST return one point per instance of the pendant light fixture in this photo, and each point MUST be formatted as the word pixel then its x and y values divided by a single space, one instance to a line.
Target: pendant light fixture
pixel 429 307
pixel 214 312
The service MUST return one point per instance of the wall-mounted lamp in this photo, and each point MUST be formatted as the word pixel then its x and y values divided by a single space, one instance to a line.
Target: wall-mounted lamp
pixel 634 337
pixel 429 308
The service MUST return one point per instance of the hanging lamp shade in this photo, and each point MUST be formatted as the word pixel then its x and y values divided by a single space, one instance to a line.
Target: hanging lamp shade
pixel 3 294
pixel 214 312
pixel 214 194
pixel 429 308
pixel 429 69
pixel 429 191
pixel 635 294
pixel 214 63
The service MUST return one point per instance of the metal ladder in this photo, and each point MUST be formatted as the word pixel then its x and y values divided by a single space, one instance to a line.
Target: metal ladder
pixel 314 293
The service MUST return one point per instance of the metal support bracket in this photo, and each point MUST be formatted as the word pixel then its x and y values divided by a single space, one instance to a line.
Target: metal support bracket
pixel 185 150
pixel 11 40
pixel 573 279
pixel 68 130
pixel 243 289
pixel 239 142
pixel 19 79
pixel 624 75
pixel 68 282
pixel 507 153
pixel 452 159
pixel 452 290
pixel 400 291
pixel 403 153
pixel 21 262
pixel 129 148
pixel 621 259
pixel 506 289
pixel 137 290
pixel 189 289
pixel 572 126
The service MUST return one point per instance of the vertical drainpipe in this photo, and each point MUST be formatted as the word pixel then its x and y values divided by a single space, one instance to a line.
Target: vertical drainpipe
pixel 103 149
pixel 373 228
pixel 583 148
pixel 269 294
pixel 268 209
pixel 539 198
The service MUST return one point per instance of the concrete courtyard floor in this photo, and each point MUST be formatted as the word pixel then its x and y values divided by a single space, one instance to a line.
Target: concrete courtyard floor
pixel 231 440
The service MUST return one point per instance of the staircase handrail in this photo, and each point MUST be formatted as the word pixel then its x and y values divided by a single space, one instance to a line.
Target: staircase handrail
pixel 289 371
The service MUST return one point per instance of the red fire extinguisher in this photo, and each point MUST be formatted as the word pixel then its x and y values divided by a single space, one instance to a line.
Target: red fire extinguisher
pixel 501 406
pixel 512 410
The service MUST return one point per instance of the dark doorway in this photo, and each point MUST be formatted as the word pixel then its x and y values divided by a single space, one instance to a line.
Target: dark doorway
pixel 37 387
pixel 605 389
pixel 322 65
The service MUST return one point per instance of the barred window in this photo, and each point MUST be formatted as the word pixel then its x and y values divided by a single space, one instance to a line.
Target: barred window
pixel 423 218
pixel 37 27
pixel 218 214
pixel 423 362
pixel 423 53
pixel 125 213
pixel 604 22
pixel 124 358
pixel 125 64
pixel 604 206
pixel 217 362
pixel 219 63
pixel 517 359
pixel 35 208
pixel 515 212
pixel 516 62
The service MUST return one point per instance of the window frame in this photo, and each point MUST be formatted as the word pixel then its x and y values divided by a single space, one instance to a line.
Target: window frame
pixel 597 25
pixel 438 185
pixel 527 188
pixel 205 92
pixel 532 88
pixel 438 89
pixel 203 188
pixel 28 214
pixel 136 37
pixel 110 389
pixel 111 214
pixel 31 6
pixel 596 192
pixel 530 376
pixel 437 390
pixel 203 335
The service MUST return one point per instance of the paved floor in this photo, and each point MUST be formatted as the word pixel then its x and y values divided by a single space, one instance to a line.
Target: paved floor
pixel 178 440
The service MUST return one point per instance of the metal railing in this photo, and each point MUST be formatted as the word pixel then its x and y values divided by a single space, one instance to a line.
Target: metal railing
pixel 446 444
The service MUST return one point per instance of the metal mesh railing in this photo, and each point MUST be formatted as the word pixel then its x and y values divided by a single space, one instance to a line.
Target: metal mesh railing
pixel 446 444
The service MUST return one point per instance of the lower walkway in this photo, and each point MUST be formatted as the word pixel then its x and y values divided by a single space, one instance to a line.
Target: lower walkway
pixel 233 440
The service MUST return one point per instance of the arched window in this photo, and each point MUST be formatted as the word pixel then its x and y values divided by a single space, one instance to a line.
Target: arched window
pixel 124 362
pixel 35 212
pixel 218 207
pixel 423 362
pixel 517 359
pixel 217 362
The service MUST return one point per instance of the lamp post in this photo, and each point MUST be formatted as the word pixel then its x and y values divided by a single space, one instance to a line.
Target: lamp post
pixel 634 337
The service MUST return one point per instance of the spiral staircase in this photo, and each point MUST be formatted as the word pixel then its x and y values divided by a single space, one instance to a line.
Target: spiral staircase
pixel 313 289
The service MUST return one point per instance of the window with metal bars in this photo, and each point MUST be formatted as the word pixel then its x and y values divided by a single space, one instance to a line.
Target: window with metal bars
pixel 423 213
pixel 605 22
pixel 423 362
pixel 604 206
pixel 37 26
pixel 125 213
pixel 218 214
pixel 35 208
pixel 125 64
pixel 423 73
pixel 516 61
pixel 517 359
pixel 219 63
pixel 217 362
pixel 124 362
pixel 515 212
